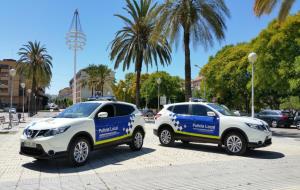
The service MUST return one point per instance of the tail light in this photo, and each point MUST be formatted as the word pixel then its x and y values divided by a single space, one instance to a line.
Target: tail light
pixel 157 116
pixel 284 117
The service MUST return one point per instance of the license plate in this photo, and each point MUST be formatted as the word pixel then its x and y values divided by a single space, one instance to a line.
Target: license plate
pixel 30 144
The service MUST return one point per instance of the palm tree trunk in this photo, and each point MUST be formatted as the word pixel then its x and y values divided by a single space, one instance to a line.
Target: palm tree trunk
pixel 188 91
pixel 138 68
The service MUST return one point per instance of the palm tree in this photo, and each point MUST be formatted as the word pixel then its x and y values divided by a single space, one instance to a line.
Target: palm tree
pixel 98 76
pixel 267 6
pixel 198 20
pixel 135 43
pixel 35 65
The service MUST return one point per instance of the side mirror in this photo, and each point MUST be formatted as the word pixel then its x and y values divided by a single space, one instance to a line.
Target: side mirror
pixel 102 115
pixel 211 114
pixel 237 113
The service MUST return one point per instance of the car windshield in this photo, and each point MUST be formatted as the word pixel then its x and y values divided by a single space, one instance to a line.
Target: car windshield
pixel 78 110
pixel 221 109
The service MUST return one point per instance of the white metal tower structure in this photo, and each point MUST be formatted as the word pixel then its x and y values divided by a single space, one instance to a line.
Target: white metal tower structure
pixel 76 40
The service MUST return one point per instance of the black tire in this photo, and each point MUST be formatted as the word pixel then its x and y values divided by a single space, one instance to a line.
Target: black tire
pixel 185 142
pixel 235 144
pixel 166 136
pixel 79 143
pixel 298 125
pixel 137 140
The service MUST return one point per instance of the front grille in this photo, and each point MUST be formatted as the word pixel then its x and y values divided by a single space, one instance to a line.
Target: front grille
pixel 34 133
pixel 38 151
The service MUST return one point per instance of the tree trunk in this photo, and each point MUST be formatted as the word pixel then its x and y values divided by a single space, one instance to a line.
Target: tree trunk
pixel 138 68
pixel 188 90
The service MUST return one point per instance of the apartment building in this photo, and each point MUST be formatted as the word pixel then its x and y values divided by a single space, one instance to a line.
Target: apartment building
pixel 84 92
pixel 6 82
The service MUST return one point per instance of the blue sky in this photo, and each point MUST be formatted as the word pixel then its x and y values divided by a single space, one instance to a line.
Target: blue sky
pixel 49 20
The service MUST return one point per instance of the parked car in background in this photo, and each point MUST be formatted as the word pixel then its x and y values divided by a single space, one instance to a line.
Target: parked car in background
pixel 12 110
pixel 297 119
pixel 148 113
pixel 276 118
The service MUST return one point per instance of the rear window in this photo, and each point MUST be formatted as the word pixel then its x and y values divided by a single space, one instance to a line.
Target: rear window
pixel 181 109
pixel 122 109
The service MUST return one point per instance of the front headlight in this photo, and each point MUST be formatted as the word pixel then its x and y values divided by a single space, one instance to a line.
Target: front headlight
pixel 56 131
pixel 256 126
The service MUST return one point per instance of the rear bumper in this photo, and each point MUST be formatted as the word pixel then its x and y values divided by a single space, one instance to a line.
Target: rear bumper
pixel 39 152
pixel 260 144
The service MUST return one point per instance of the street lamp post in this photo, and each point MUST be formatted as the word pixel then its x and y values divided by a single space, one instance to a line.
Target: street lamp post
pixel 23 87
pixel 76 40
pixel 34 103
pixel 29 97
pixel 12 73
pixel 252 57
pixel 124 91
pixel 158 81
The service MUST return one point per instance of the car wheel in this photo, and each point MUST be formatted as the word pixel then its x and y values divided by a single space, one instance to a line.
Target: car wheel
pixel 166 137
pixel 274 124
pixel 79 151
pixel 298 125
pixel 185 142
pixel 137 140
pixel 235 144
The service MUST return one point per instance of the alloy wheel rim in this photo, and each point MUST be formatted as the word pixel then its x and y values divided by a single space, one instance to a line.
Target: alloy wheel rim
pixel 138 140
pixel 165 136
pixel 81 152
pixel 234 144
pixel 274 124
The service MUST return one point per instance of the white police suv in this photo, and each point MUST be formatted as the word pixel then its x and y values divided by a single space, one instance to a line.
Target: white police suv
pixel 210 123
pixel 84 127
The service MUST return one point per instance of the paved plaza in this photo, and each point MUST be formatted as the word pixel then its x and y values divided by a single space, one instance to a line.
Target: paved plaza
pixel 194 166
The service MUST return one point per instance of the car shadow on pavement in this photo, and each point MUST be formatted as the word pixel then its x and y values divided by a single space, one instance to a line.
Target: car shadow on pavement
pixel 257 153
pixel 98 159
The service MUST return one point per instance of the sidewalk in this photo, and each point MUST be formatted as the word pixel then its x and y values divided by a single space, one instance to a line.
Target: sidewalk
pixel 4 129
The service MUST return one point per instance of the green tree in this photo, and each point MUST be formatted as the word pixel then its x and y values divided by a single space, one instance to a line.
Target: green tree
pixel 278 47
pixel 277 70
pixel 98 76
pixel 267 6
pixel 35 65
pixel 171 87
pixel 134 44
pixel 227 76
pixel 199 21
pixel 128 85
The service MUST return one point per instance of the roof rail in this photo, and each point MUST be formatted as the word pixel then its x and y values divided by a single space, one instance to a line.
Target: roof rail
pixel 103 98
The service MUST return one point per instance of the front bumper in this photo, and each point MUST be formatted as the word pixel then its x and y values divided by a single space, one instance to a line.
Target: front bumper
pixel 40 153
pixel 267 142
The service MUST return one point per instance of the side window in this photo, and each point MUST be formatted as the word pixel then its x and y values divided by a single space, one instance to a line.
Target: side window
pixel 122 109
pixel 199 110
pixel 263 113
pixel 109 109
pixel 181 109
pixel 170 108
